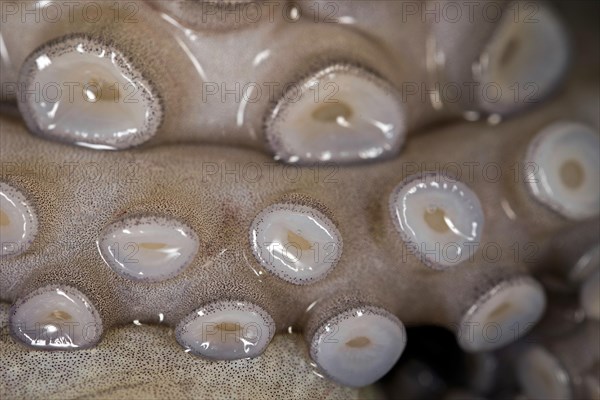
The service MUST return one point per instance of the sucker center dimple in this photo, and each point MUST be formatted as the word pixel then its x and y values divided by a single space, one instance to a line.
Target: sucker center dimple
pixel 358 342
pixel 4 220
pixel 332 112
pixel 59 315
pixel 572 174
pixel 100 90
pixel 298 241
pixel 152 246
pixel 436 220
pixel 547 377
pixel 509 51
pixel 500 312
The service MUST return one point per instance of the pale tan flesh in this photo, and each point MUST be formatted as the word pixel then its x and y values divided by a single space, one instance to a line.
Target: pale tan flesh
pixel 221 208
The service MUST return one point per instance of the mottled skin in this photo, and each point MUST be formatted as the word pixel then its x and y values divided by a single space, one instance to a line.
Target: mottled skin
pixel 385 37
pixel 220 207
pixel 136 362
pixel 90 190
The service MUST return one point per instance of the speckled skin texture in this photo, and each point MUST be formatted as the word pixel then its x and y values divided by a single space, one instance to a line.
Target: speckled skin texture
pixel 220 208
pixel 217 192
pixel 137 363
pixel 97 48
pixel 313 209
pixel 173 226
pixel 398 52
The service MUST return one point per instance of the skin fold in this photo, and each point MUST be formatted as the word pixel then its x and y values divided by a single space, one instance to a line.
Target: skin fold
pixel 117 374
pixel 387 37
pixel 220 208
pixel 214 171
pixel 218 195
